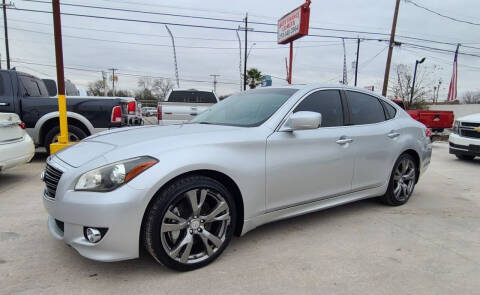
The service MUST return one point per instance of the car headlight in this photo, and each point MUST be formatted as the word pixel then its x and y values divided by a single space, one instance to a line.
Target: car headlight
pixel 455 127
pixel 110 177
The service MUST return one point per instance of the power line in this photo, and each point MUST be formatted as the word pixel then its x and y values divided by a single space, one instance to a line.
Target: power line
pixel 240 21
pixel 157 35
pixel 232 29
pixel 442 15
pixel 118 74
pixel 155 44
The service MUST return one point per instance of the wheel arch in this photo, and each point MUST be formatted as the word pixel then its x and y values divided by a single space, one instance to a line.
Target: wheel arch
pixel 50 120
pixel 221 177
pixel 416 158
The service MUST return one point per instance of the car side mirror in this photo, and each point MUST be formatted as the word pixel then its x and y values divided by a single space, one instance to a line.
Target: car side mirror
pixel 51 86
pixel 303 121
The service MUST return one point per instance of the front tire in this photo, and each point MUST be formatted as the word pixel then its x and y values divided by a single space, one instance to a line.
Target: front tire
pixel 75 134
pixel 402 181
pixel 190 223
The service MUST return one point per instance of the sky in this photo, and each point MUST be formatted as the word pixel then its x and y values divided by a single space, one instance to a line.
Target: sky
pixel 144 49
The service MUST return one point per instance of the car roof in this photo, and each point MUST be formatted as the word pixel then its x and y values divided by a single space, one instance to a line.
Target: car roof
pixel 313 86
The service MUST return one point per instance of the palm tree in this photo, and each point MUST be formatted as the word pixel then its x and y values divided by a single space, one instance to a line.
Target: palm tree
pixel 254 78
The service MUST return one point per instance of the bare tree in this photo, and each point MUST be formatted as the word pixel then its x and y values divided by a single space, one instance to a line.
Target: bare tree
pixel 144 82
pixel 161 87
pixel 401 83
pixel 471 97
pixel 96 88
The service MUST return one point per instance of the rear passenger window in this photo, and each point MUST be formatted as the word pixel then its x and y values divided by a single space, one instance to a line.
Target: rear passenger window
pixel 389 110
pixel 326 102
pixel 30 87
pixel 364 109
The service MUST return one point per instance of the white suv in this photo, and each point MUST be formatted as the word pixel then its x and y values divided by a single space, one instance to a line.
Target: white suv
pixel 465 137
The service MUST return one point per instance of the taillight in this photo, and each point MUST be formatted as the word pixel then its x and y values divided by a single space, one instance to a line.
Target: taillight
pixel 116 114
pixel 131 108
pixel 22 125
pixel 159 112
pixel 428 132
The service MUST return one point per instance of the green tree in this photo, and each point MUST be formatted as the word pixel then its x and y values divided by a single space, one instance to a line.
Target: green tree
pixel 254 78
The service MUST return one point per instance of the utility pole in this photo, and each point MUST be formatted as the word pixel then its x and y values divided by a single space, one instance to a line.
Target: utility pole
pixel 104 79
pixel 7 49
pixel 245 59
pixel 246 29
pixel 62 102
pixel 174 56
pixel 215 82
pixel 113 80
pixel 240 63
pixel 390 49
pixel 356 63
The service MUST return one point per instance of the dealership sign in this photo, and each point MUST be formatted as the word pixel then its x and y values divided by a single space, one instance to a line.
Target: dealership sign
pixel 294 24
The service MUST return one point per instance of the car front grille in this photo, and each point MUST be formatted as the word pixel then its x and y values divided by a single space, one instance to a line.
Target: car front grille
pixel 470 133
pixel 469 124
pixel 51 178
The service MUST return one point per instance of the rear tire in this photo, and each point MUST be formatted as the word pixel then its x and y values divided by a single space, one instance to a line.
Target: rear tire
pixel 402 181
pixel 184 238
pixel 75 134
pixel 465 157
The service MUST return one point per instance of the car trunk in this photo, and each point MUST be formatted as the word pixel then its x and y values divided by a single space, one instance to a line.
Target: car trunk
pixel 9 128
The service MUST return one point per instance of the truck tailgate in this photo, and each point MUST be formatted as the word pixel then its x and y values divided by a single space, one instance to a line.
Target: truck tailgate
pixel 178 111
pixel 433 119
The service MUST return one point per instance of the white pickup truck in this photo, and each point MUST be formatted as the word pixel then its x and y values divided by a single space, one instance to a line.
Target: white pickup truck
pixel 465 137
pixel 182 105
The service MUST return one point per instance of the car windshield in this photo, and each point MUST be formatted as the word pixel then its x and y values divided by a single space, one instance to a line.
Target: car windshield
pixel 246 109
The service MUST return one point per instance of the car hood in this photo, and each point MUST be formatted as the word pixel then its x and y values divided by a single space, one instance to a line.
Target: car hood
pixel 473 118
pixel 136 141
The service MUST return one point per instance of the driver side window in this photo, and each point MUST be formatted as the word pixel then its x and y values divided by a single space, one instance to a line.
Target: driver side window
pixel 326 102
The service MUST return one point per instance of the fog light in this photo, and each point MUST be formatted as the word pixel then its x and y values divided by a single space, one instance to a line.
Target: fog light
pixel 93 235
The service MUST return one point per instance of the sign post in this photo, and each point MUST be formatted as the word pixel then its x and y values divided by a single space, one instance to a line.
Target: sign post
pixel 292 26
pixel 62 103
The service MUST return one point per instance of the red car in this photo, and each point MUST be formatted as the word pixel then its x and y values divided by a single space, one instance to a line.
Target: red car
pixel 435 120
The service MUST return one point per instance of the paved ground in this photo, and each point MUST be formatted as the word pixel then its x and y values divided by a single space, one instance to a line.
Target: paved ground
pixel 429 246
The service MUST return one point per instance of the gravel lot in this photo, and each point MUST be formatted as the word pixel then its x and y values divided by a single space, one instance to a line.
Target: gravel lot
pixel 429 246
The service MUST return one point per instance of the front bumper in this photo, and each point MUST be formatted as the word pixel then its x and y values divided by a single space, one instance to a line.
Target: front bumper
pixel 460 145
pixel 118 211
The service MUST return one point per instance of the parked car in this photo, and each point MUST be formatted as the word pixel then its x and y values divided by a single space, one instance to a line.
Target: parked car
pixel 259 156
pixel 149 111
pixel 16 147
pixel 437 121
pixel 465 137
pixel 182 105
pixel 29 98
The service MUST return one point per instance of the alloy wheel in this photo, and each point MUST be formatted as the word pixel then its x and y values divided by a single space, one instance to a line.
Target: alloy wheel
pixel 404 179
pixel 195 226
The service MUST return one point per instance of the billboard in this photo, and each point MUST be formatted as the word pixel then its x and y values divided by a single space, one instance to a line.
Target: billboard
pixel 294 24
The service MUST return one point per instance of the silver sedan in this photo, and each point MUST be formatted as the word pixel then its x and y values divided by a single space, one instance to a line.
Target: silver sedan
pixel 266 154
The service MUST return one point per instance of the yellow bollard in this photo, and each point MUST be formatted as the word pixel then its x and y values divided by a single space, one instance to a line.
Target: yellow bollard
pixel 63 138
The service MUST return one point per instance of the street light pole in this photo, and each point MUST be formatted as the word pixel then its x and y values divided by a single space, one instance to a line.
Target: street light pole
pixel 417 62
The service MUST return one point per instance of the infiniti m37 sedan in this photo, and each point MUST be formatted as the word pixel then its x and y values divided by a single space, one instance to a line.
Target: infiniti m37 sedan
pixel 183 191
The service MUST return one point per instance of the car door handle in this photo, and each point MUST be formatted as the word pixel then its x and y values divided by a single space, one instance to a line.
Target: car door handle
pixel 4 104
pixel 393 134
pixel 344 140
